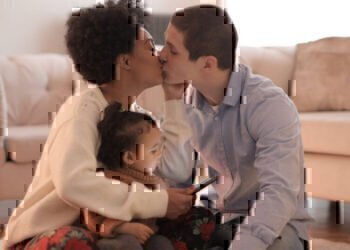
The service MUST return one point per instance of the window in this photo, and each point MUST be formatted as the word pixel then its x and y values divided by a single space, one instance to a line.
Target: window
pixel 284 23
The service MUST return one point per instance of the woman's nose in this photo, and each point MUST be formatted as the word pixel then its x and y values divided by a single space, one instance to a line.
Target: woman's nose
pixel 162 56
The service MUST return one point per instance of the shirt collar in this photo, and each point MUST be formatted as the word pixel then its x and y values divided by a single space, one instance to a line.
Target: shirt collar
pixel 232 93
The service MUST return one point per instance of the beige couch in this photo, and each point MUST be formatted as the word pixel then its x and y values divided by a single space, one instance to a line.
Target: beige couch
pixel 35 87
pixel 32 88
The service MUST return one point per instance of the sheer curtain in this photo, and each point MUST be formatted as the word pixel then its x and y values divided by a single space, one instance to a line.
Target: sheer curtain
pixel 283 23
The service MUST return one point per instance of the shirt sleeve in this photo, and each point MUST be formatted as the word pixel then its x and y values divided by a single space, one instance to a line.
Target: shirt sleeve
pixel 72 162
pixel 176 163
pixel 275 126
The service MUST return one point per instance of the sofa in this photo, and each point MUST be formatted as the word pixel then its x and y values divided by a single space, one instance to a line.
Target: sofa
pixel 32 88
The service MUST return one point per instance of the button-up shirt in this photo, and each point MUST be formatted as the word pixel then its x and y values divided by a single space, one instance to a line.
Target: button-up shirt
pixel 254 141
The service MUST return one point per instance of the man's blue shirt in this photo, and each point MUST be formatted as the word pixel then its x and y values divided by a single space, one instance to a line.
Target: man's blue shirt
pixel 255 137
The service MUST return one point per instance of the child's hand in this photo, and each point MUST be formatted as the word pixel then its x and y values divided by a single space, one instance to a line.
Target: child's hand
pixel 139 230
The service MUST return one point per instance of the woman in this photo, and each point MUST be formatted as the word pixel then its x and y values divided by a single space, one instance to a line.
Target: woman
pixel 110 49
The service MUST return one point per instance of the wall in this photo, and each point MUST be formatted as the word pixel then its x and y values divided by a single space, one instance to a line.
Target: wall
pixel 38 26
pixel 34 26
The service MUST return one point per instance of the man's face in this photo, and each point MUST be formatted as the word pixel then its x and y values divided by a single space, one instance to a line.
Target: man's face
pixel 177 66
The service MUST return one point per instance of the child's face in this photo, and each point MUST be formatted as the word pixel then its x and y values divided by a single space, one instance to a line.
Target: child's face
pixel 148 150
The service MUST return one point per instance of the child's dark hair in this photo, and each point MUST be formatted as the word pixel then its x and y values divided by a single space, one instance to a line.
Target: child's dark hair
pixel 119 131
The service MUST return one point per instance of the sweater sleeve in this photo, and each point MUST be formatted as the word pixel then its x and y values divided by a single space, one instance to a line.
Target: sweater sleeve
pixel 176 163
pixel 72 162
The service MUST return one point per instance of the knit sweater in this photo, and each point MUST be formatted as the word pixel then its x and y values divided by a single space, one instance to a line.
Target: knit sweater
pixel 105 226
pixel 65 179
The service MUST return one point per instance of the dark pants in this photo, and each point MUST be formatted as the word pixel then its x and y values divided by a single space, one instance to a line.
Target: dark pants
pixel 224 234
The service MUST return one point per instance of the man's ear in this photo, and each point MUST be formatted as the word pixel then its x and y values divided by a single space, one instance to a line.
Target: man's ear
pixel 129 157
pixel 124 61
pixel 209 62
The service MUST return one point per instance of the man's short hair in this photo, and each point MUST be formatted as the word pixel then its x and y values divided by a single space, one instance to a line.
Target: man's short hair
pixel 208 31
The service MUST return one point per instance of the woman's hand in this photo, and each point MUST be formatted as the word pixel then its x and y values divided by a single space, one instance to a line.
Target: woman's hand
pixel 174 91
pixel 140 231
pixel 180 201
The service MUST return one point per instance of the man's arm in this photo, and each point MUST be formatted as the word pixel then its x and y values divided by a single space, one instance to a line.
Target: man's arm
pixel 275 126
pixel 176 163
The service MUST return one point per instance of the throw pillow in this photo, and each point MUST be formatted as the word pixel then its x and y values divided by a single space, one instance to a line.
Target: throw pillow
pixel 322 75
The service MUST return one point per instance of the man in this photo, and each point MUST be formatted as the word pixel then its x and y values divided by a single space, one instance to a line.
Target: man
pixel 245 128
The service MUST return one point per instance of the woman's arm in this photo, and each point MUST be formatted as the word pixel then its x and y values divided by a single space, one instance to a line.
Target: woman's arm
pixel 70 153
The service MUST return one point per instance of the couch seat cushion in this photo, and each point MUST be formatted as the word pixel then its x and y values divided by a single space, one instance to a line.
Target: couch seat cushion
pixel 326 132
pixel 25 144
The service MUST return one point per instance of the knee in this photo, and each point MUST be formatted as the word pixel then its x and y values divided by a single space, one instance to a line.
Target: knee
pixel 121 242
pixel 158 242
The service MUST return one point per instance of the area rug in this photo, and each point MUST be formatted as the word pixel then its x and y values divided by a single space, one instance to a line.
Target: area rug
pixel 321 244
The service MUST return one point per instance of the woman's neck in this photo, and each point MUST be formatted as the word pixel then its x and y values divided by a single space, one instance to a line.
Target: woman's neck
pixel 113 93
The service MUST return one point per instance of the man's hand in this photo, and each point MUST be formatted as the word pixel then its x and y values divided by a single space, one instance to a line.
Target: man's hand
pixel 180 201
pixel 174 91
pixel 141 232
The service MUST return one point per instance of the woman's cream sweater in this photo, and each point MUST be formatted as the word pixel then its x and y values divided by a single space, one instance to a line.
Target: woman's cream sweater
pixel 65 179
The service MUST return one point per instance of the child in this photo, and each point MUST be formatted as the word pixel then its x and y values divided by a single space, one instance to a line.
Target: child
pixel 130 149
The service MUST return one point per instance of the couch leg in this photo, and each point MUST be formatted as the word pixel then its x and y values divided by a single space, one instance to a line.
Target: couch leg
pixel 2 231
pixel 340 213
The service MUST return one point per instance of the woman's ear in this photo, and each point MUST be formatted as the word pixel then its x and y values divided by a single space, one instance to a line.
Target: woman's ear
pixel 124 61
pixel 129 157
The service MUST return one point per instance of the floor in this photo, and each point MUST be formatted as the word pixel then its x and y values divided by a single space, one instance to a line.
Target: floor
pixel 325 225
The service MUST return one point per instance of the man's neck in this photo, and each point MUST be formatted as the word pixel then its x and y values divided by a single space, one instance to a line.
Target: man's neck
pixel 214 91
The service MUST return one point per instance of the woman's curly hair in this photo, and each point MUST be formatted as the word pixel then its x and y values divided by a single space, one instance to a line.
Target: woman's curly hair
pixel 119 131
pixel 97 35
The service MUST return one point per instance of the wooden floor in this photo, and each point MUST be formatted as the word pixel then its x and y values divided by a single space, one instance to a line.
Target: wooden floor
pixel 325 225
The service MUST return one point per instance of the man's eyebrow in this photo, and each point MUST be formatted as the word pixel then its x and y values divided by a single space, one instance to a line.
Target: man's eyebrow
pixel 170 44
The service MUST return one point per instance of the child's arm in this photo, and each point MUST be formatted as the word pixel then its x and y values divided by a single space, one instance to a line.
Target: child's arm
pixel 106 227
pixel 100 224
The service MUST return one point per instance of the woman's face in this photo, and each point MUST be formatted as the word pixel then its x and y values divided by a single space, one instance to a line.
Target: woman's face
pixel 145 64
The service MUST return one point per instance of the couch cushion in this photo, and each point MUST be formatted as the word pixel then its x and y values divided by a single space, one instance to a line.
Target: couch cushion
pixel 35 86
pixel 25 144
pixel 326 132
pixel 275 63
pixel 3 121
pixel 322 75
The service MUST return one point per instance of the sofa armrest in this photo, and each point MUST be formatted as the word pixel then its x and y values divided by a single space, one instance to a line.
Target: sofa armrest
pixel 3 122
